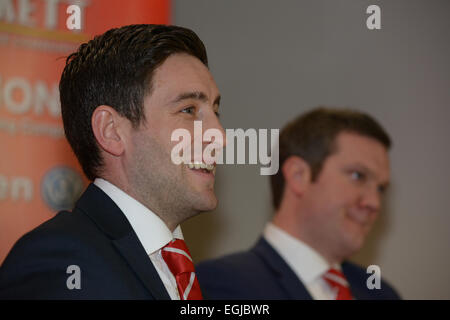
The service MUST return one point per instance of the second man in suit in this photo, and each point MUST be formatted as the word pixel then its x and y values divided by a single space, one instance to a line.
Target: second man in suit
pixel 334 171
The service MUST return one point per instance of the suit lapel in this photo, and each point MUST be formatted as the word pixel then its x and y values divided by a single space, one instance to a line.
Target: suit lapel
pixel 110 219
pixel 286 277
pixel 141 264
pixel 356 283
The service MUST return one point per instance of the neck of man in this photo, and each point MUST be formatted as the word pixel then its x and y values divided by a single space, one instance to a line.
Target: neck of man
pixel 289 218
pixel 122 184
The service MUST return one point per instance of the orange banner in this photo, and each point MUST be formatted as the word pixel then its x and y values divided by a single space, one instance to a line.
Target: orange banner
pixel 39 174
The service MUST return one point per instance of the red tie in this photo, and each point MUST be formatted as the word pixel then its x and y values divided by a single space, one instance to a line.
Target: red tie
pixel 178 259
pixel 337 280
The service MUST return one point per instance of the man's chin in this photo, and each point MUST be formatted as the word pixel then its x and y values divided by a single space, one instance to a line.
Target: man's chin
pixel 207 202
pixel 355 243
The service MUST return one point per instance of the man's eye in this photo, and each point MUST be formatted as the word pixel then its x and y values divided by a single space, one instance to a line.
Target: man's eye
pixel 357 176
pixel 189 110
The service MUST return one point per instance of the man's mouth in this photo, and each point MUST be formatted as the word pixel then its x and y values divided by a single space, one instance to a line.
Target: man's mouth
pixel 359 217
pixel 202 167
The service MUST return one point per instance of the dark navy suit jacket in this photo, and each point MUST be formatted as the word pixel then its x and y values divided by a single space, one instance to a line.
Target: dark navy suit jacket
pixel 98 239
pixel 261 273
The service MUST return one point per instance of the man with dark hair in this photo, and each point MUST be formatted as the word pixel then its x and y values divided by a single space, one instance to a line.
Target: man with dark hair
pixel 122 96
pixel 327 195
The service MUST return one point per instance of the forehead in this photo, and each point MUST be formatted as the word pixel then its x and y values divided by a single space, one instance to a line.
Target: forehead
pixel 182 73
pixel 356 149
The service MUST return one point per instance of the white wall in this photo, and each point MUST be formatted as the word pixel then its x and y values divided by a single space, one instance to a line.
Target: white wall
pixel 275 59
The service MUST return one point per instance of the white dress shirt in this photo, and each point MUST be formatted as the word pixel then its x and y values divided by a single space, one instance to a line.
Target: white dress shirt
pixel 307 264
pixel 151 231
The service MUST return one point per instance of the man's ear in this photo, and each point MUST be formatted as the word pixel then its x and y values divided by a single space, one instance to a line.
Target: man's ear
pixel 297 174
pixel 107 127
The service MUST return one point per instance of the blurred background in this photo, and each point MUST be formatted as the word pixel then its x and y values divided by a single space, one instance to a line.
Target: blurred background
pixel 272 61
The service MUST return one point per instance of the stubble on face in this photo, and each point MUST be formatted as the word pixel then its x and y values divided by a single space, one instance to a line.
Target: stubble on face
pixel 174 192
pixel 157 186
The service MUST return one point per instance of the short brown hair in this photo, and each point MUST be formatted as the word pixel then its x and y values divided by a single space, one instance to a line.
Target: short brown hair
pixel 116 69
pixel 312 135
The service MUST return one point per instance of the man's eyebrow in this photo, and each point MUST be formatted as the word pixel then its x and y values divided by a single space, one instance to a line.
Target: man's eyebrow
pixel 197 95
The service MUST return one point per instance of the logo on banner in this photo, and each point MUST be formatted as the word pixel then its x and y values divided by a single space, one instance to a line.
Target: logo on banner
pixel 61 187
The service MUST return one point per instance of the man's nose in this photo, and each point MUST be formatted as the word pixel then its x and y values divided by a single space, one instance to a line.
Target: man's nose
pixel 218 132
pixel 371 199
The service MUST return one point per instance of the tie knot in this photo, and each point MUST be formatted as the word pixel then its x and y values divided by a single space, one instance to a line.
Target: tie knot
pixel 178 259
pixel 177 256
pixel 336 280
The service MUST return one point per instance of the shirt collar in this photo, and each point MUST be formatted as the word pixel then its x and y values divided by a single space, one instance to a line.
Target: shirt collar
pixel 306 263
pixel 151 231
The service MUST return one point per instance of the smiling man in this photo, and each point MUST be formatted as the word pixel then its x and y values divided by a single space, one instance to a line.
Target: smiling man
pixel 122 95
pixel 327 195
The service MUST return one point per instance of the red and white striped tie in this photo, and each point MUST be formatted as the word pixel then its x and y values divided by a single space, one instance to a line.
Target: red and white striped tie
pixel 178 259
pixel 337 280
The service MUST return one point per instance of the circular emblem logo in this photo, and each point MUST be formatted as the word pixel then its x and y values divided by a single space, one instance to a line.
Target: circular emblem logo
pixel 61 187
